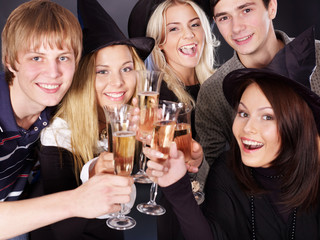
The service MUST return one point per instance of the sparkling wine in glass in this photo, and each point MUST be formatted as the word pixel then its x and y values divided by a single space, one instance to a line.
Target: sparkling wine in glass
pixel 162 137
pixel 183 139
pixel 123 135
pixel 148 96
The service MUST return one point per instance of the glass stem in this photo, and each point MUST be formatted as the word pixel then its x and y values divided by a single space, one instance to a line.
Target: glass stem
pixel 142 162
pixel 153 192
pixel 121 215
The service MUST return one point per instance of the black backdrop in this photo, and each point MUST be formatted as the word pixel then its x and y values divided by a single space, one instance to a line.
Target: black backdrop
pixel 293 17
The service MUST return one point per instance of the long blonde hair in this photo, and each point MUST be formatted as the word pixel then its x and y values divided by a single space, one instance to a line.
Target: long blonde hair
pixel 157 59
pixel 79 109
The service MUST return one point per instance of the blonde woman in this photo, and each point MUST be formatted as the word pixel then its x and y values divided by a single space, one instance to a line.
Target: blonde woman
pixel 105 76
pixel 184 46
pixel 184 49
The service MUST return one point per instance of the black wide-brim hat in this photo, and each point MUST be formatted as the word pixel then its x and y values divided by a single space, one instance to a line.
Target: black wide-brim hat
pixel 293 65
pixel 143 10
pixel 100 30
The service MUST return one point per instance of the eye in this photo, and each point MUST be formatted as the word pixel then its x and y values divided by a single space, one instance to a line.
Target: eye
pixel 63 58
pixel 223 18
pixel 102 72
pixel 247 10
pixel 267 117
pixel 173 29
pixel 127 69
pixel 242 114
pixel 196 24
pixel 37 59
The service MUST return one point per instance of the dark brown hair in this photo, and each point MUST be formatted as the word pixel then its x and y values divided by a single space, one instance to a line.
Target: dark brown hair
pixel 298 156
pixel 213 3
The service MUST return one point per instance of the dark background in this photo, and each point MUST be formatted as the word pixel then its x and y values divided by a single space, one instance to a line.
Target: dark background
pixel 293 17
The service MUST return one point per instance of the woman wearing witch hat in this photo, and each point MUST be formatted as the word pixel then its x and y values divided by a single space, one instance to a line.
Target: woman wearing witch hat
pixel 105 76
pixel 184 49
pixel 268 188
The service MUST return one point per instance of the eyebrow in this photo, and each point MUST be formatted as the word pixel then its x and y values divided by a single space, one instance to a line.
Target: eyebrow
pixel 259 109
pixel 219 14
pixel 191 20
pixel 103 65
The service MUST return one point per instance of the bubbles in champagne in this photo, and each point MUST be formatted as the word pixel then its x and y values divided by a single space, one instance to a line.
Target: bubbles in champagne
pixel 123 152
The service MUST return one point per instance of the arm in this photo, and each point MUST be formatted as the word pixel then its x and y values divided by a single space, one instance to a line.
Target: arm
pixel 101 194
pixel 176 186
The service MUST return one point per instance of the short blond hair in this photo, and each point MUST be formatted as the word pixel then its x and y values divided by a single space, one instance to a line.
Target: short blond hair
pixel 36 22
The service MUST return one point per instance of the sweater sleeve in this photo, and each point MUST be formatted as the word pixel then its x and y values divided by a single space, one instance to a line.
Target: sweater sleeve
pixel 193 223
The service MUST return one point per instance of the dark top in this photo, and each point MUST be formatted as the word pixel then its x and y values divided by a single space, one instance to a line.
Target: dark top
pixel 227 212
pixel 16 146
pixel 167 94
pixel 56 176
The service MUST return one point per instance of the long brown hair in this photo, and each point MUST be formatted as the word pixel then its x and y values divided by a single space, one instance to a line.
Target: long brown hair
pixel 298 156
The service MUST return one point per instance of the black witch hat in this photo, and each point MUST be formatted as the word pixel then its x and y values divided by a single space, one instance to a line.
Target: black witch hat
pixel 293 65
pixel 100 30
pixel 142 11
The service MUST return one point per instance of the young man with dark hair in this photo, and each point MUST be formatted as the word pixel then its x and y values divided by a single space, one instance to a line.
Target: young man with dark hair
pixel 247 27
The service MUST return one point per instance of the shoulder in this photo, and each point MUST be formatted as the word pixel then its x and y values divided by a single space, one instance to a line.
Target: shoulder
pixel 57 134
pixel 220 175
pixel 217 78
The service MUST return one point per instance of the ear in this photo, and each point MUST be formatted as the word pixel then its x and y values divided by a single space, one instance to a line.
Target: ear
pixel 272 9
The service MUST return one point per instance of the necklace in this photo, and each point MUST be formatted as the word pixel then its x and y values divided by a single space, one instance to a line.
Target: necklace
pixel 252 208
pixel 253 222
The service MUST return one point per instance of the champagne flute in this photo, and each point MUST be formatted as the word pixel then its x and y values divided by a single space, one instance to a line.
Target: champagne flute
pixel 162 136
pixel 183 139
pixel 124 134
pixel 148 96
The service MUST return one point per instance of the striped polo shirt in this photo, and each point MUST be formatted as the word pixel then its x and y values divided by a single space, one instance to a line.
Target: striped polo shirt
pixel 16 147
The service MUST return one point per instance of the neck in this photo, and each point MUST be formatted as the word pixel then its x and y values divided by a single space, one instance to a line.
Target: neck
pixel 264 55
pixel 187 76
pixel 25 114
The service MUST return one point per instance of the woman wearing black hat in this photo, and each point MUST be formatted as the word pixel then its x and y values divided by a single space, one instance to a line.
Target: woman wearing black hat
pixel 268 188
pixel 105 76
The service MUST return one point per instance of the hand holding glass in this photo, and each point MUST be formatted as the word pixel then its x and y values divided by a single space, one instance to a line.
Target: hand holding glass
pixel 123 133
pixel 148 97
pixel 162 136
pixel 183 139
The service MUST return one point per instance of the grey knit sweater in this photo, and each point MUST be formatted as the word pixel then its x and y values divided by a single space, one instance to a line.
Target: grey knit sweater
pixel 214 116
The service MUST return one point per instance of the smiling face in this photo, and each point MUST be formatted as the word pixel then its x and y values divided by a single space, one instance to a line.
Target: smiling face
pixel 185 37
pixel 115 75
pixel 246 25
pixel 255 129
pixel 42 78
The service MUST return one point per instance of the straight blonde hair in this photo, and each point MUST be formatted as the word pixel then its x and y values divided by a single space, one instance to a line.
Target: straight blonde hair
pixel 79 109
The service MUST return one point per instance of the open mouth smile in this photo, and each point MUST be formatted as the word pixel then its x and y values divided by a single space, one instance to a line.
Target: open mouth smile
pixel 251 145
pixel 188 49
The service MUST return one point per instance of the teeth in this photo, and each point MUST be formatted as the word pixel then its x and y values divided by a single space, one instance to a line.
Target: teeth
pixel 243 39
pixel 114 95
pixel 47 86
pixel 188 46
pixel 252 143
pixel 188 49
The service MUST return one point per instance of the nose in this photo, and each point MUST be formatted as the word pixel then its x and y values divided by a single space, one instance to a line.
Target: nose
pixel 237 25
pixel 116 79
pixel 188 33
pixel 250 126
pixel 53 69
